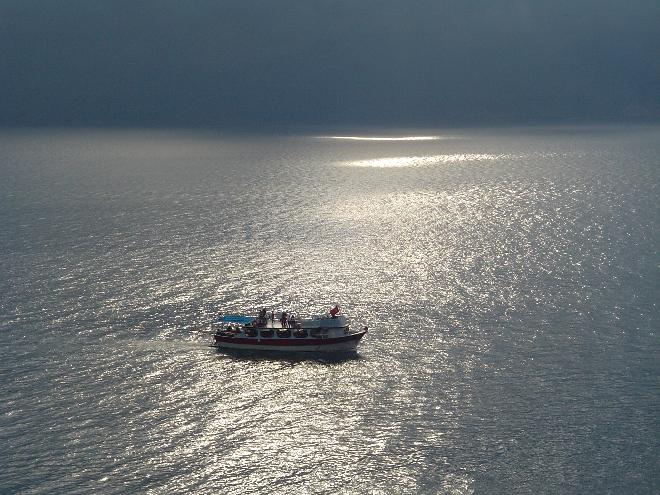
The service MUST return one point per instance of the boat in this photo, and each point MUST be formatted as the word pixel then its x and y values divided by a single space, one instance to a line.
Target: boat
pixel 326 333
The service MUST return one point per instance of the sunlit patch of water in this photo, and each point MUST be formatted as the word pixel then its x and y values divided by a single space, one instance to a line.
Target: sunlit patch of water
pixel 421 161
pixel 387 138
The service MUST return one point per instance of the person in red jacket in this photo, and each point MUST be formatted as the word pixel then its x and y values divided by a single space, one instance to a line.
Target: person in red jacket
pixel 334 311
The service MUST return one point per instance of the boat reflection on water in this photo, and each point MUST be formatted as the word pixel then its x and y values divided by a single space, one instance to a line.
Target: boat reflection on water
pixel 290 358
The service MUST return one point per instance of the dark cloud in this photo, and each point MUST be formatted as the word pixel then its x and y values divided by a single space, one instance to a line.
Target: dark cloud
pixel 225 63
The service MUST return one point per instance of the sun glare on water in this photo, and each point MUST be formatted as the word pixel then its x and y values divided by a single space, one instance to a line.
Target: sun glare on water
pixel 384 138
pixel 418 161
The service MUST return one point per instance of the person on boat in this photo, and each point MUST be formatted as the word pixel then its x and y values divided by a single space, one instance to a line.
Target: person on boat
pixel 334 311
pixel 262 317
pixel 283 319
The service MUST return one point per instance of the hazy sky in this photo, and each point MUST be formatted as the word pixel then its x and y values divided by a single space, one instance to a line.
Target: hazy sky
pixel 335 62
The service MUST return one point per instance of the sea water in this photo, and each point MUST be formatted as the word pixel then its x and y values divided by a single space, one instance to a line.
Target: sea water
pixel 510 280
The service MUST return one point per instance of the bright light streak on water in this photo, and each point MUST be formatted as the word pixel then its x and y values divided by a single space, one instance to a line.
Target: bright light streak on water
pixel 421 161
pixel 386 138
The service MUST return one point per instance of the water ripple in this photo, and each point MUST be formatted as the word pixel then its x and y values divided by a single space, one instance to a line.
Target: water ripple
pixel 511 299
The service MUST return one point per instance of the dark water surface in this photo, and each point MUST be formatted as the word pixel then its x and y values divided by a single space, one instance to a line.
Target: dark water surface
pixel 510 280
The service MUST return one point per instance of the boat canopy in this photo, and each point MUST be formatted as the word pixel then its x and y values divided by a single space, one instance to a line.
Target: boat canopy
pixel 241 319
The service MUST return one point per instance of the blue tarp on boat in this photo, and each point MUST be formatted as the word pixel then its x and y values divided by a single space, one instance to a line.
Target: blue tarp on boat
pixel 242 319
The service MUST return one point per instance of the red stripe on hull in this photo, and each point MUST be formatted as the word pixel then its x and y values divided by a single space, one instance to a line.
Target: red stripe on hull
pixel 287 342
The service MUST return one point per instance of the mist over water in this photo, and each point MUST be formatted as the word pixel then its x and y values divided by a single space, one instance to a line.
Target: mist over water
pixel 509 279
